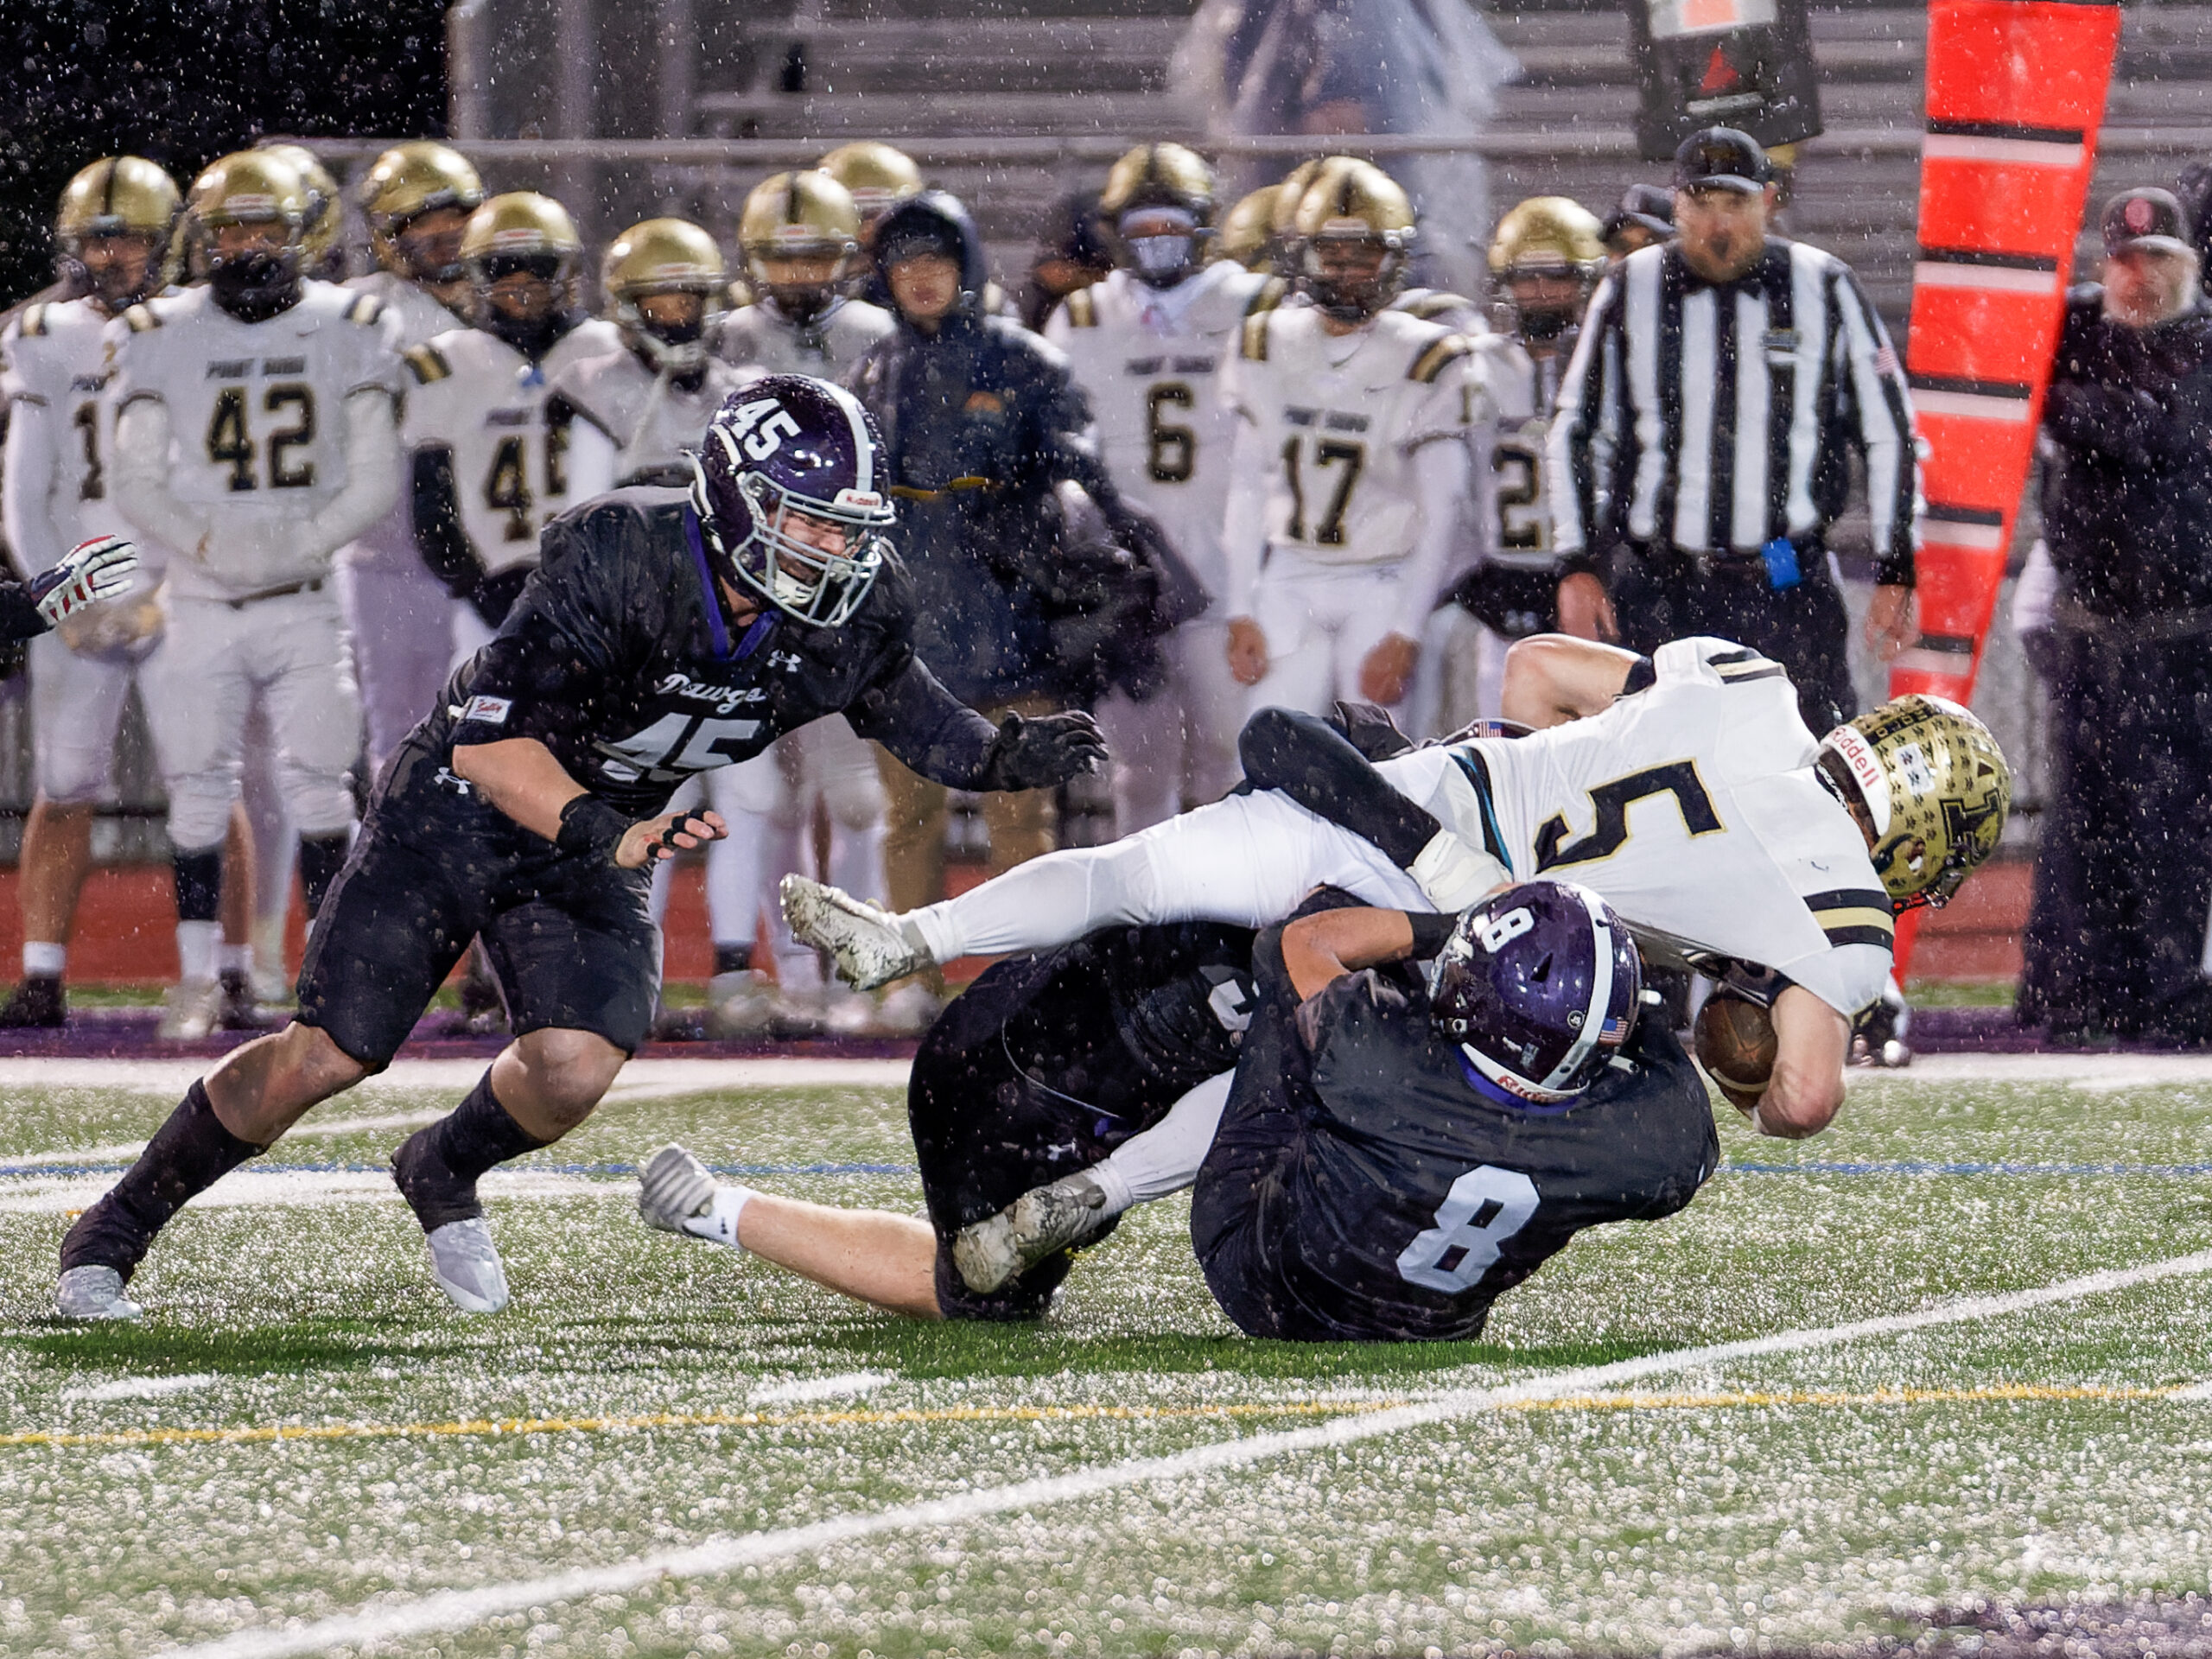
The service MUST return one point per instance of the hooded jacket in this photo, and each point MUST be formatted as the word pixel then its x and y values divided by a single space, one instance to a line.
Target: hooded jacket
pixel 982 422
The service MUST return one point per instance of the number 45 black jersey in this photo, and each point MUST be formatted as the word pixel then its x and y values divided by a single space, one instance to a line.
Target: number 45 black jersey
pixel 1362 1190
pixel 621 658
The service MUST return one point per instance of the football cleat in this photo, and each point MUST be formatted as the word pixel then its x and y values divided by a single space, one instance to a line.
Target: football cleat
pixel 466 1263
pixel 190 1009
pixel 750 1004
pixel 38 1002
pixel 867 944
pixel 93 1292
pixel 674 1187
pixel 1070 1211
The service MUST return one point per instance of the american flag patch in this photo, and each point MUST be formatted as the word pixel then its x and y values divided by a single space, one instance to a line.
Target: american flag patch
pixel 1886 360
pixel 1613 1032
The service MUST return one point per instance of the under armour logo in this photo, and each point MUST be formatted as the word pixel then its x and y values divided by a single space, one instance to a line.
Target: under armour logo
pixel 788 661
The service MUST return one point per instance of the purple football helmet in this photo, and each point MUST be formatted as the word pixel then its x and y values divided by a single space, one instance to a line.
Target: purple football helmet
pixel 786 452
pixel 1538 985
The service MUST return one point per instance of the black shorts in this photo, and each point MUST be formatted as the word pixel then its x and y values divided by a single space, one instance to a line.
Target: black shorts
pixel 985 1131
pixel 572 942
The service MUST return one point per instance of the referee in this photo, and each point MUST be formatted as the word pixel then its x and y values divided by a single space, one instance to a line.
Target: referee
pixel 1699 450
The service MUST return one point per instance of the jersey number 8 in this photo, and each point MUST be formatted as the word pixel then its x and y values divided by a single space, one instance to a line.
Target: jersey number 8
pixel 230 439
pixel 1486 1206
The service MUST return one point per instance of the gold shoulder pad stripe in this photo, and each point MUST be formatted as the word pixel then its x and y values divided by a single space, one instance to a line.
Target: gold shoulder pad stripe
pixel 1430 363
pixel 1269 295
pixel 364 308
pixel 1256 337
pixel 1433 304
pixel 1083 310
pixel 142 319
pixel 33 322
pixel 428 364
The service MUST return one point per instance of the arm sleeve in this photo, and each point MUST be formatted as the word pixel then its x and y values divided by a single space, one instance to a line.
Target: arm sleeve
pixel 1442 487
pixel 27 481
pixel 594 460
pixel 438 532
pixel 912 715
pixel 371 471
pixel 1884 435
pixel 1244 521
pixel 142 474
pixel 1316 766
pixel 1582 443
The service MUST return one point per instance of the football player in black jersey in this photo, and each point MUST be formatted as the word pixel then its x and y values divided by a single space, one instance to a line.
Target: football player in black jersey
pixel 1396 1153
pixel 1045 1065
pixel 666 632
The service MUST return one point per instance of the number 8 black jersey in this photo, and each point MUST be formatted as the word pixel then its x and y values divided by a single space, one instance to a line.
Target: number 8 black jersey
pixel 1362 1191
pixel 619 657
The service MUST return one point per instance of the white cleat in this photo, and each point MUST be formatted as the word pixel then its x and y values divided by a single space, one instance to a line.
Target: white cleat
pixel 869 947
pixel 467 1265
pixel 675 1188
pixel 93 1292
pixel 987 1253
pixel 190 1010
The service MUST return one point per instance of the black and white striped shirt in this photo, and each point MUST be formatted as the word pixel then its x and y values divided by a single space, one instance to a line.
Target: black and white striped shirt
pixel 1716 417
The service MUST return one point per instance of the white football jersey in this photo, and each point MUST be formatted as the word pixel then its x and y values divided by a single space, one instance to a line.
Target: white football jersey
pixel 760 337
pixel 1150 362
pixel 652 422
pixel 257 414
pixel 476 396
pixel 1334 421
pixel 1523 392
pixel 1692 805
pixel 415 314
pixel 54 375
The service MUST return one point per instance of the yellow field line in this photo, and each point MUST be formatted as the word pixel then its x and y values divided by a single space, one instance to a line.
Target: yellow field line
pixel 491 1427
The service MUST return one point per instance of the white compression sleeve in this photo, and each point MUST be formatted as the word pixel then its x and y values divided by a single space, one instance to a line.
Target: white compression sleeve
pixel 1165 1158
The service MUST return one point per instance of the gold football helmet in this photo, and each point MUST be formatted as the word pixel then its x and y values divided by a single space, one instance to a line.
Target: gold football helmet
pixel 878 176
pixel 253 186
pixel 799 233
pixel 1244 235
pixel 1354 228
pixel 1174 189
pixel 1546 256
pixel 658 257
pixel 325 211
pixel 1282 216
pixel 407 181
pixel 521 230
pixel 119 196
pixel 1935 788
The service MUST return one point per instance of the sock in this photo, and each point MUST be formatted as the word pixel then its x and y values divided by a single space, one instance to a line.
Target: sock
pixel 719 1225
pixel 436 1169
pixel 733 958
pixel 188 1155
pixel 44 961
pixel 321 859
pixel 1165 1158
pixel 196 945
pixel 234 959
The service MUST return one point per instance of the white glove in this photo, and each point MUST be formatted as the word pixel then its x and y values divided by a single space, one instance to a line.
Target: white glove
pixel 90 572
pixel 1454 874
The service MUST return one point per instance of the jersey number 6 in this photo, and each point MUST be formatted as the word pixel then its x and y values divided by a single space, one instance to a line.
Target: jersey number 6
pixel 1486 1206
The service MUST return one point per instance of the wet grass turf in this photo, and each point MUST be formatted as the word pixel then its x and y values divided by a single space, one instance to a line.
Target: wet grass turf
pixel 1763 1502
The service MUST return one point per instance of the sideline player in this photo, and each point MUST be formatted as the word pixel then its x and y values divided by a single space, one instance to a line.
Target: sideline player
pixel 1350 470
pixel 255 436
pixel 488 440
pixel 1146 345
pixel 666 633
pixel 1683 787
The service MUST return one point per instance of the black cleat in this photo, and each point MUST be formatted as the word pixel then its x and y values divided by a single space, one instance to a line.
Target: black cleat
pixel 38 1003
pixel 241 1008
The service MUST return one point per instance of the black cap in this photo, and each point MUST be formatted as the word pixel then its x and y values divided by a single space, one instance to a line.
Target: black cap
pixel 1649 206
pixel 1721 156
pixel 2146 218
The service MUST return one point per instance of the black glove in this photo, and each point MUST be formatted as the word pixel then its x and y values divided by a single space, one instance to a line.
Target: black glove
pixel 1044 751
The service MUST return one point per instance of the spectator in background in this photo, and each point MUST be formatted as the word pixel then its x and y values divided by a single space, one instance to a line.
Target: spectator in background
pixel 1644 219
pixel 1071 254
pixel 981 423
pixel 2116 938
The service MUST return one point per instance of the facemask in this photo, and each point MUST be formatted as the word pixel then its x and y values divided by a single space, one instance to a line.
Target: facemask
pixel 255 287
pixel 1161 261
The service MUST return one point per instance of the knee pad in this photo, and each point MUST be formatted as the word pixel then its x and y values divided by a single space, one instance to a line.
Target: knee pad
pixel 200 809
pixel 318 801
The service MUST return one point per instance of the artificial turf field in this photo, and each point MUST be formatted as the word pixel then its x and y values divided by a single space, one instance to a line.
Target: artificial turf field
pixel 1769 1423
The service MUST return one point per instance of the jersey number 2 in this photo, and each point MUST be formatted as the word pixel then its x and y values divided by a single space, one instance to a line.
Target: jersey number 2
pixel 1609 805
pixel 230 442
pixel 1486 1206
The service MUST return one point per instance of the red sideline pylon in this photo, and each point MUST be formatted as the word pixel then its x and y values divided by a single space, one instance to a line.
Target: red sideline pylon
pixel 2016 94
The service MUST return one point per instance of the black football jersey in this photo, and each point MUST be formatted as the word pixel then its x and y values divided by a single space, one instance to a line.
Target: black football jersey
pixel 621 658
pixel 1410 1202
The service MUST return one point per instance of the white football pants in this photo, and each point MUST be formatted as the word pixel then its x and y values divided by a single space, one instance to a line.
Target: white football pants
pixel 76 710
pixel 1248 860
pixel 1320 621
pixel 213 661
pixel 402 624
pixel 1178 746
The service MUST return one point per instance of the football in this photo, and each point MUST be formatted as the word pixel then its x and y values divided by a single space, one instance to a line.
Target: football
pixel 1736 1045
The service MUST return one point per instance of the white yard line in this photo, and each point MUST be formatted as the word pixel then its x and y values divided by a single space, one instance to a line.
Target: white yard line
pixel 457 1610
pixel 2092 1072
pixel 298 1188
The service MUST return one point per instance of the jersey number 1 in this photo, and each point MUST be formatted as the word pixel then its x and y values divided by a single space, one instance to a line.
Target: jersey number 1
pixel 1486 1206
pixel 1350 459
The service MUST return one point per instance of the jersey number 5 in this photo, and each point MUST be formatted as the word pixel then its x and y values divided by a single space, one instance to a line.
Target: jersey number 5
pixel 1609 805
pixel 1350 459
pixel 230 440
pixel 1486 1206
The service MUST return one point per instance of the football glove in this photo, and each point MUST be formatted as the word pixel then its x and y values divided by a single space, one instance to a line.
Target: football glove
pixel 91 571
pixel 1040 752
